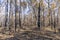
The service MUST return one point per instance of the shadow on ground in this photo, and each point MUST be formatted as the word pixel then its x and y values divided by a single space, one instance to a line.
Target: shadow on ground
pixel 27 35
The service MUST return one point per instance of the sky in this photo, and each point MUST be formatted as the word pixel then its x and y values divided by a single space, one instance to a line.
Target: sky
pixel 1 1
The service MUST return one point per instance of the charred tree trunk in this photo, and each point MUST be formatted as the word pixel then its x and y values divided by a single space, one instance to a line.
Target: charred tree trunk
pixel 38 16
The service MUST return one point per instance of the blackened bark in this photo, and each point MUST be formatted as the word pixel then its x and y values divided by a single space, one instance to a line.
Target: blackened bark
pixel 38 16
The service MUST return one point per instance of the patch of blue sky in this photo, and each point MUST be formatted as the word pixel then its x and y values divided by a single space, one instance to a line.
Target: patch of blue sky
pixel 8 8
pixel 23 0
pixel 46 2
pixel 46 5
pixel 49 1
pixel 27 10
pixel 38 1
pixel 1 1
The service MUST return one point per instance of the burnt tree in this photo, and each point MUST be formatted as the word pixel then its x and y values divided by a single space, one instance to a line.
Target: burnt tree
pixel 38 16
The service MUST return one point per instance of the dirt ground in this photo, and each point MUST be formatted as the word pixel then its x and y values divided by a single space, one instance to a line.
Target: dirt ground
pixel 33 34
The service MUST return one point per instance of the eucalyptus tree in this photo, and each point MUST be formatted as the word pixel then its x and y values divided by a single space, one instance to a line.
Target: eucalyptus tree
pixel 26 10
pixel 6 13
pixel 39 16
pixel 49 12
pixel 55 15
pixel 40 10
pixel 57 11
pixel 34 6
pixel 2 12
pixel 8 19
pixel 19 13
pixel 42 14
pixel 11 13
pixel 15 14
pixel 54 23
pixel 22 2
pixel 18 4
pixel 58 6
pixel 43 17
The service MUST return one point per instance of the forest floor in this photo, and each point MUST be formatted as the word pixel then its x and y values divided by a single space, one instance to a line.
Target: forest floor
pixel 33 34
